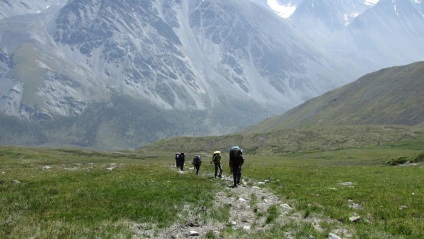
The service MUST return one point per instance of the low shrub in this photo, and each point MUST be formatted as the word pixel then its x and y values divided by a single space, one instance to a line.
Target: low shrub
pixel 398 161
pixel 419 158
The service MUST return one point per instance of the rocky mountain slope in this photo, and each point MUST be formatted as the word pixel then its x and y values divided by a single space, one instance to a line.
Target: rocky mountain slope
pixel 122 73
pixel 198 67
pixel 391 96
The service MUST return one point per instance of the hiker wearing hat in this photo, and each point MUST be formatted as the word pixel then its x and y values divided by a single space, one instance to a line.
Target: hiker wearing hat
pixel 216 159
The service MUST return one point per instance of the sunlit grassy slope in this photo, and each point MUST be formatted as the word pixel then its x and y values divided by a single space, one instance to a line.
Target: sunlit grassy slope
pixel 389 96
pixel 295 140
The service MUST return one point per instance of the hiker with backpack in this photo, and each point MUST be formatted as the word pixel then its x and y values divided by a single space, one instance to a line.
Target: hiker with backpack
pixel 177 160
pixel 216 160
pixel 236 161
pixel 197 162
pixel 181 161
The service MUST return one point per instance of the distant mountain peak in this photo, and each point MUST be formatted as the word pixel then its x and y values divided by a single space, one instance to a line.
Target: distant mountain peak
pixel 371 2
pixel 282 10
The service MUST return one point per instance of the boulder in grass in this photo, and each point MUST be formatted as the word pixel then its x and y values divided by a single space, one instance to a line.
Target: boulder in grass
pixel 333 236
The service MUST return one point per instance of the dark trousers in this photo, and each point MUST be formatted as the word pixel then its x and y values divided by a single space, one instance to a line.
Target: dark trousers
pixel 218 166
pixel 236 174
pixel 181 163
pixel 197 166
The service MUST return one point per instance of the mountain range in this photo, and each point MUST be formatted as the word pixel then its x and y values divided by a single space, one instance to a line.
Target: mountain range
pixel 119 74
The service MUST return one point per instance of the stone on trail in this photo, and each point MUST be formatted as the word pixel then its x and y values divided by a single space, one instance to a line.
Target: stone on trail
pixel 333 236
pixel 354 219
pixel 247 227
pixel 349 184
pixel 194 233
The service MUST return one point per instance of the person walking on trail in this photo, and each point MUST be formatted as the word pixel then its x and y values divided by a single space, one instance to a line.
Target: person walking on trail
pixel 177 160
pixel 216 159
pixel 181 161
pixel 197 162
pixel 236 161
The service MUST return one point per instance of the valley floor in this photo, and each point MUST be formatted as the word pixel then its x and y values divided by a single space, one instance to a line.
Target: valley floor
pixel 252 210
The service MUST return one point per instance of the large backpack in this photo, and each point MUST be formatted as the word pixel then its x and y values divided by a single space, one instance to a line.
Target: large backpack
pixel 240 151
pixel 197 160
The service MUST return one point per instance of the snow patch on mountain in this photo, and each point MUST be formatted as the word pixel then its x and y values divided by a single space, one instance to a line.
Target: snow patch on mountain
pixel 371 2
pixel 283 10
pixel 14 8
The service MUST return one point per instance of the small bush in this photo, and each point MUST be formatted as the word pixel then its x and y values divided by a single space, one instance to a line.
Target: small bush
pixel 210 235
pixel 398 161
pixel 273 213
pixel 419 158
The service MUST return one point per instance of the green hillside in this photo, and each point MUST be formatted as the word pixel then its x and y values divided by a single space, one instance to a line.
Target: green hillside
pixel 392 96
pixel 295 140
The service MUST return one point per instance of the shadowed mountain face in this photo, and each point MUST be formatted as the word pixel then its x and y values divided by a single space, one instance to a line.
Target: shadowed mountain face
pixel 391 96
pixel 209 67
pixel 178 67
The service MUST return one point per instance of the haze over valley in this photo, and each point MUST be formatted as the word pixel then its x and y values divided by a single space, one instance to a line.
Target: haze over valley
pixel 120 74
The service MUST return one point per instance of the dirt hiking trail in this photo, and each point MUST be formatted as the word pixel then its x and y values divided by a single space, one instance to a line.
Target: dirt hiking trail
pixel 250 208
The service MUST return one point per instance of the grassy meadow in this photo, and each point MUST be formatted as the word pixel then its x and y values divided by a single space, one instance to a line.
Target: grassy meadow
pixel 74 193
pixel 85 194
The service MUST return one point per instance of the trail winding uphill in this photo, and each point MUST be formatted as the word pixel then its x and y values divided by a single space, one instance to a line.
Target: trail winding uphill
pixel 251 209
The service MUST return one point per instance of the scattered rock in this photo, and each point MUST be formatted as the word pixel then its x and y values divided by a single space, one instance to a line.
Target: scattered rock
pixel 2 181
pixel 71 169
pixel 15 181
pixel 193 224
pixel 242 216
pixel 286 206
pixel 355 206
pixel 342 232
pixel 346 184
pixel 333 236
pixel 354 219
pixel 47 167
